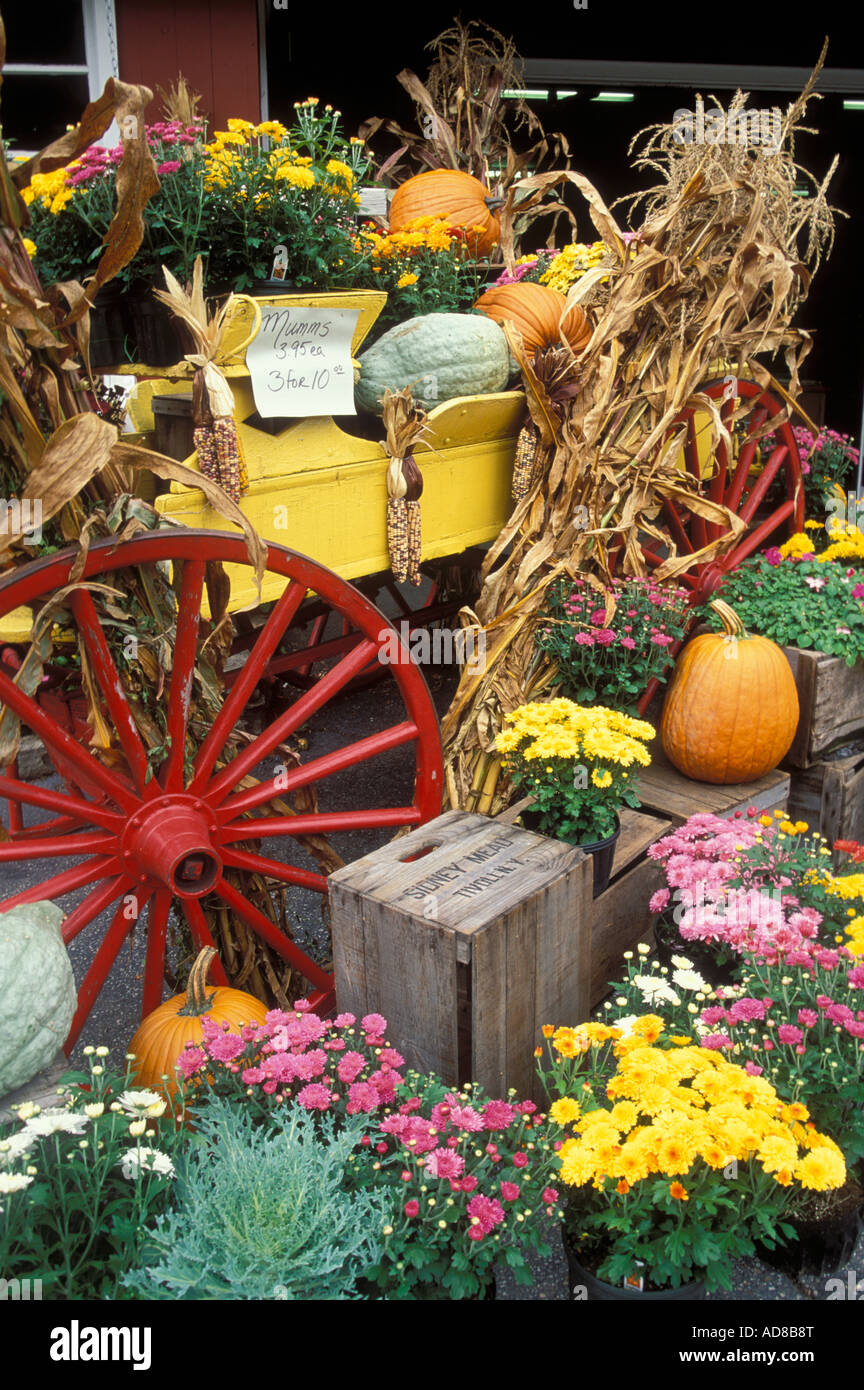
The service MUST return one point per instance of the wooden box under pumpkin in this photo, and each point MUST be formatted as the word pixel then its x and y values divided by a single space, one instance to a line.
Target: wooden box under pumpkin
pixel 829 796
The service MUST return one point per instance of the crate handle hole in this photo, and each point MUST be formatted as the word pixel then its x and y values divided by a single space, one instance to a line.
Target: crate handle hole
pixel 421 853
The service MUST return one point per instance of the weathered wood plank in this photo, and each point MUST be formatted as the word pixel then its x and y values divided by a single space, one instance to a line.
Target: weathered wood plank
pixel 666 792
pixel 831 700
pixel 621 919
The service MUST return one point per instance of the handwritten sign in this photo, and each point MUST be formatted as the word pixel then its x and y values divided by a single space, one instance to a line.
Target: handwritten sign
pixel 300 361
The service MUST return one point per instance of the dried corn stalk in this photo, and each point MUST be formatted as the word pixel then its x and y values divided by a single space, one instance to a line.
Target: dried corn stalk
pixel 717 269
pixel 405 425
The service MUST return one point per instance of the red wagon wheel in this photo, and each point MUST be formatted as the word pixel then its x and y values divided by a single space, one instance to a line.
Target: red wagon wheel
pixel 165 838
pixel 749 412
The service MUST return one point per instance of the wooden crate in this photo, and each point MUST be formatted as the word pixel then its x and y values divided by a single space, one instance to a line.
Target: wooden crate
pixel 467 935
pixel 829 795
pixel 831 697
pixel 666 792
pixel 620 917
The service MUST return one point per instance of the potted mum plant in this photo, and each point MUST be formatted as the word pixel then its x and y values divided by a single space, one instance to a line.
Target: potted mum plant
pixel 577 764
pixel 678 1160
pixel 609 644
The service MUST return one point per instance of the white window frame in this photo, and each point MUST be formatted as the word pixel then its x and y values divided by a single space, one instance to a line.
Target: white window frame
pixel 100 51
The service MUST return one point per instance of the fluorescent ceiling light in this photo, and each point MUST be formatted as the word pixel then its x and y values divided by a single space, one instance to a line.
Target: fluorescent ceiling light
pixel 536 93
pixel 853 106
pixel 614 96
pixel 565 92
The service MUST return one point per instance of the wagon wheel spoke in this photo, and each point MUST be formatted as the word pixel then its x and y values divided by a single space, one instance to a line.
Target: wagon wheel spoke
pixel 318 769
pixel 66 882
pixel 103 961
pixel 94 904
pixel 676 528
pixel 745 460
pixel 691 454
pixel 108 680
pixel 75 809
pixel 59 847
pixel 757 538
pixel 763 483
pixel 288 722
pixel 183 671
pixel 241 691
pixel 154 964
pixel 282 944
pixel 320 823
pixel 68 749
pixel 274 868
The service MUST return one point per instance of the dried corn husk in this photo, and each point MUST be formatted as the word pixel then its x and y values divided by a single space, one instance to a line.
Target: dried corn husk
pixel 405 425
pixel 716 270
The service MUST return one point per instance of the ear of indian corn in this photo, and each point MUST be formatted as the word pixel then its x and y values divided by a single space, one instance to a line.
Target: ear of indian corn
pixel 397 537
pixel 525 462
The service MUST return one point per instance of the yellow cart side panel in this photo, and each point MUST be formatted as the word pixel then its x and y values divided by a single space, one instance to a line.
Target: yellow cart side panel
pixel 316 442
pixel 338 515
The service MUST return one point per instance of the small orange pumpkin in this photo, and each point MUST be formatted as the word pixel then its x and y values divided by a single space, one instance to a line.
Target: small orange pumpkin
pixel 731 710
pixel 164 1034
pixel 454 196
pixel 536 312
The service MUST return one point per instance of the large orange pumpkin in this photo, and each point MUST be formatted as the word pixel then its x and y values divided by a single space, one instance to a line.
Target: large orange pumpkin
pixel 456 197
pixel 731 710
pixel 164 1034
pixel 536 310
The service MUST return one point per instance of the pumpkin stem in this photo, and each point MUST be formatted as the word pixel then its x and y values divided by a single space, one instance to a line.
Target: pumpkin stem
pixel 197 1001
pixel 732 624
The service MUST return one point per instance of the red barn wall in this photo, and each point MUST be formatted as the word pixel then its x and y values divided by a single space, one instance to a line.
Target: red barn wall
pixel 214 43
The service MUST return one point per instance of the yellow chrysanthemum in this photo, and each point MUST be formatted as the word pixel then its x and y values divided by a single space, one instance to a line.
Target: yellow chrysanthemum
pixel 821 1169
pixel 564 1111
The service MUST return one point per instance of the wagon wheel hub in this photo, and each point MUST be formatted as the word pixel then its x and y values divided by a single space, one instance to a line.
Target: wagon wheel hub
pixel 168 840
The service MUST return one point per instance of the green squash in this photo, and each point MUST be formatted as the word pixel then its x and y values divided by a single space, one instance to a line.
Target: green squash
pixel 440 356
pixel 37 992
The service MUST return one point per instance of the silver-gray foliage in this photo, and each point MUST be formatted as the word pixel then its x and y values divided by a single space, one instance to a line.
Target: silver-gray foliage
pixel 260 1214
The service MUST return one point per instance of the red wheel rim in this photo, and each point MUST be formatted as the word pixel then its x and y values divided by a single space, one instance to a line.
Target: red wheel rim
pixel 140 842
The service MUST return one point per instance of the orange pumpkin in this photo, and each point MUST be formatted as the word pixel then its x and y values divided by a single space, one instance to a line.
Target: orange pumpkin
pixel 536 310
pixel 731 710
pixel 456 197
pixel 164 1034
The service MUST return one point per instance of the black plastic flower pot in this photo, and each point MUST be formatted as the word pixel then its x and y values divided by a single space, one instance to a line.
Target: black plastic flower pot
pixel 585 1286
pixel 669 942
pixel 160 342
pixel 827 1234
pixel 110 327
pixel 602 851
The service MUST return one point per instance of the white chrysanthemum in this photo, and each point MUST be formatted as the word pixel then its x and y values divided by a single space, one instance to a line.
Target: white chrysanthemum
pixel 688 979
pixel 14 1182
pixel 682 963
pixel 56 1122
pixel 148 1161
pixel 625 1024
pixel 140 1101
pixel 655 990
pixel 14 1145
